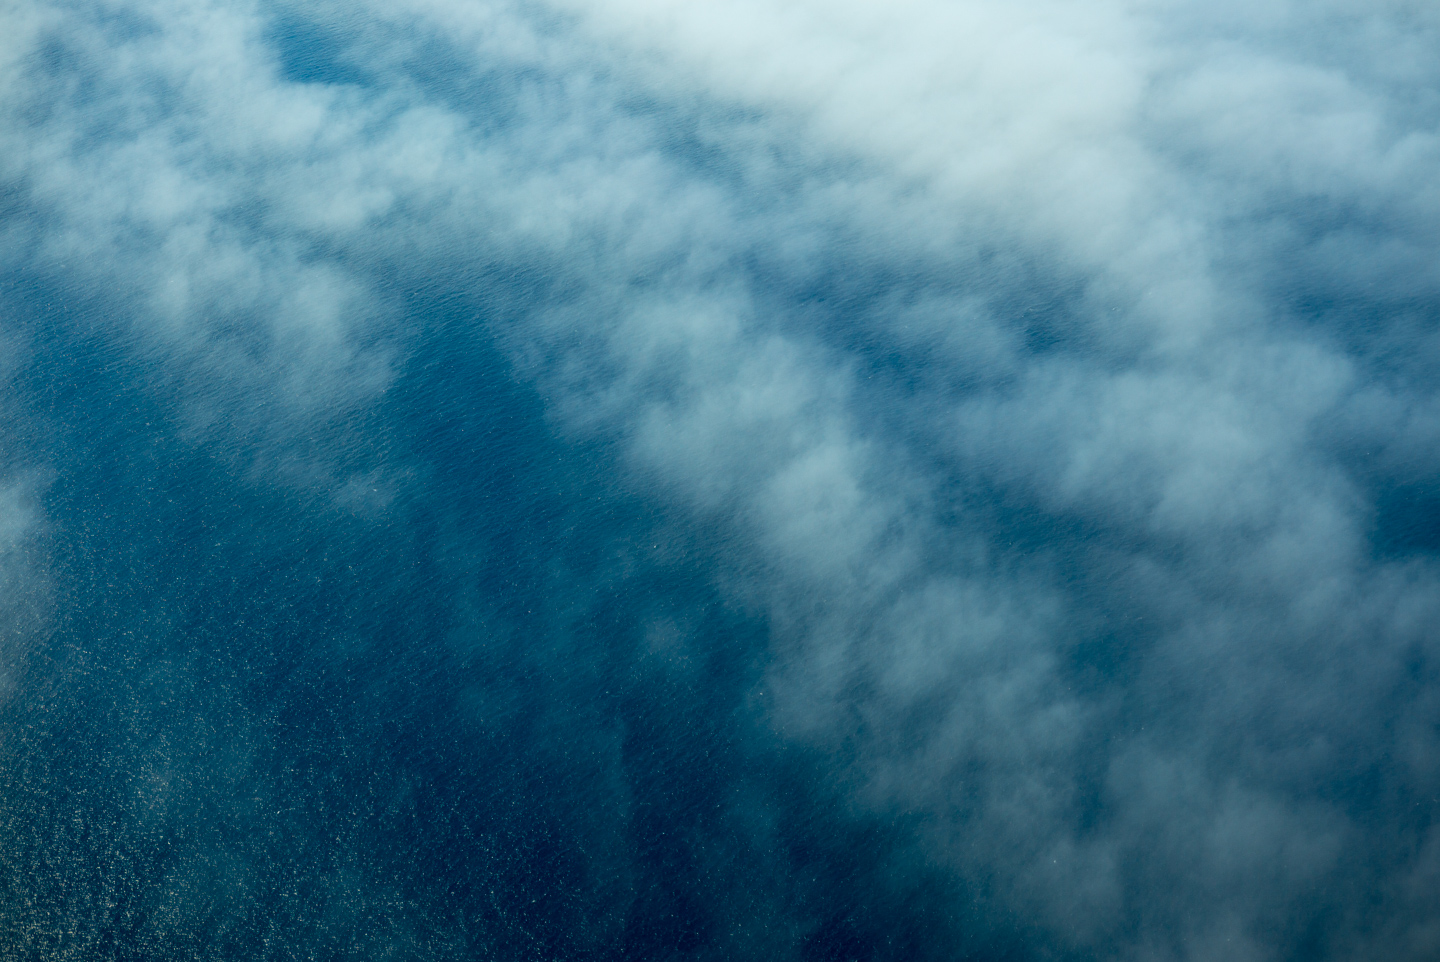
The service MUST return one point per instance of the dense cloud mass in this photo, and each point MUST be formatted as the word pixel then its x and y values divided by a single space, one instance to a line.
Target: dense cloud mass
pixel 720 479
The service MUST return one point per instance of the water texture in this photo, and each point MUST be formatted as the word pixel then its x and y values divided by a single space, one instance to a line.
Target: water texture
pixel 734 479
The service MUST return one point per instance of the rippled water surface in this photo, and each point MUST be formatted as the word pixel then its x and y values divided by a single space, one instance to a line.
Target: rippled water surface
pixel 630 479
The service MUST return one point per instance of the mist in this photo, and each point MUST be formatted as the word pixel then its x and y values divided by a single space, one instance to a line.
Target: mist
pixel 640 479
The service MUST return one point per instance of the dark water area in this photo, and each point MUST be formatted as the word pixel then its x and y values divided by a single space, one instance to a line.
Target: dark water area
pixel 489 481
pixel 494 710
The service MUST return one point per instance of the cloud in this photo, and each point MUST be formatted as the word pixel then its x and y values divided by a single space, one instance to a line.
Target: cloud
pixel 1053 383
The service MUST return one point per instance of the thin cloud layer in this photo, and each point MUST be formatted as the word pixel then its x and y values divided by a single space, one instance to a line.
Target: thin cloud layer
pixel 1047 394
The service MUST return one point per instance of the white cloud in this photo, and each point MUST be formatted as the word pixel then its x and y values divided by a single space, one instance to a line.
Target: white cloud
pixel 941 553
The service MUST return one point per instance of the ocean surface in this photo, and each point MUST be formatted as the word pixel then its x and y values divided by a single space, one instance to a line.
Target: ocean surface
pixel 642 480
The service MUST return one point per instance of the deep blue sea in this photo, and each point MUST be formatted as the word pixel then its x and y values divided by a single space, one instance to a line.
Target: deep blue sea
pixel 657 481
pixel 434 720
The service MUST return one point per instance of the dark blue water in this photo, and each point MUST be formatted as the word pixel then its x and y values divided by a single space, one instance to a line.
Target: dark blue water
pixel 387 643
pixel 264 725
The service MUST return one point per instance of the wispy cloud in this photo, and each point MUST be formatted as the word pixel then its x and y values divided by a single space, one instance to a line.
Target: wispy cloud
pixel 1059 379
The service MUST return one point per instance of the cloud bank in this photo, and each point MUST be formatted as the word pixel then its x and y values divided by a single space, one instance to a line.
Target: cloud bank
pixel 644 479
